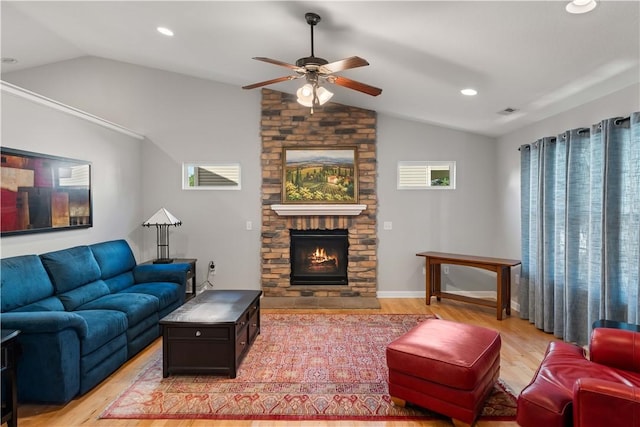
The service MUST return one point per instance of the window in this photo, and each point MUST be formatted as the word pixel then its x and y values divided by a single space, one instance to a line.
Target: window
pixel 426 175
pixel 211 176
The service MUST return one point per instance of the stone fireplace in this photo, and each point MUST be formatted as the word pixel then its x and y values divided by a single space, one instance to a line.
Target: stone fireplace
pixel 285 123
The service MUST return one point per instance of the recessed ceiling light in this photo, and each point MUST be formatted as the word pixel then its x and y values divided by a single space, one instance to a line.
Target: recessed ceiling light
pixel 6 60
pixel 581 6
pixel 469 92
pixel 165 31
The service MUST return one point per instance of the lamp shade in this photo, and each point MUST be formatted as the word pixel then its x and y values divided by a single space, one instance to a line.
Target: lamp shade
pixel 305 95
pixel 162 217
pixel 323 95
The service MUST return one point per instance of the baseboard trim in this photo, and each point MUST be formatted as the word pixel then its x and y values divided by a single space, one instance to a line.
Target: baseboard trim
pixel 423 294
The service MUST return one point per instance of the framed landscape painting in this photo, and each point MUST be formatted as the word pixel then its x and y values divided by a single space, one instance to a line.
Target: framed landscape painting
pixel 321 175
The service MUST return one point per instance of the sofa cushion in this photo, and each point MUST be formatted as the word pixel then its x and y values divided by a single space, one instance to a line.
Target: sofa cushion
pixel 120 282
pixel 102 327
pixel 71 268
pixel 79 296
pixel 167 293
pixel 114 257
pixel 137 307
pixel 47 304
pixel 24 281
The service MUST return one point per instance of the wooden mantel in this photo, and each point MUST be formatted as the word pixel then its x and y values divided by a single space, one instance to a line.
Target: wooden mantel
pixel 318 210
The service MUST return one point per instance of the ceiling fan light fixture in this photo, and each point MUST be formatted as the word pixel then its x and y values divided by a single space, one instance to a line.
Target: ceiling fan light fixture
pixel 323 95
pixel 313 68
pixel 581 6
pixel 305 91
pixel 306 95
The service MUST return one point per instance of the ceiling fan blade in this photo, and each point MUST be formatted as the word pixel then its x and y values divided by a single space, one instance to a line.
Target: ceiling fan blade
pixel 280 63
pixel 270 82
pixel 352 84
pixel 343 64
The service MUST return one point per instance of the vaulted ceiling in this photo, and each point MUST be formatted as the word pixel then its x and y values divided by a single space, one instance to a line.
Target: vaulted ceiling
pixel 531 56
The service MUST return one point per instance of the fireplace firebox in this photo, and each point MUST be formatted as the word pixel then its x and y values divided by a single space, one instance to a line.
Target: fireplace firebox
pixel 319 257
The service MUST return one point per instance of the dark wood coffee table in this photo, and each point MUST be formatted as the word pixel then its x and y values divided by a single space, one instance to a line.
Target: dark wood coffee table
pixel 211 333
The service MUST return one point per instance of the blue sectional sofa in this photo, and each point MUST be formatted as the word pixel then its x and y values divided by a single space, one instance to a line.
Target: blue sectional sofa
pixel 82 313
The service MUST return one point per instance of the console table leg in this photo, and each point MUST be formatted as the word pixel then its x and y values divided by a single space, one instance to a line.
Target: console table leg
pixel 427 279
pixel 500 293
pixel 507 277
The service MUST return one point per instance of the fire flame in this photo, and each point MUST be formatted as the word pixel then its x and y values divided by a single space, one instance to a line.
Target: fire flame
pixel 319 256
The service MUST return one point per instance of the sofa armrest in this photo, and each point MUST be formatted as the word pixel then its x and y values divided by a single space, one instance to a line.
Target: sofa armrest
pixel 176 273
pixel 617 348
pixel 598 402
pixel 44 322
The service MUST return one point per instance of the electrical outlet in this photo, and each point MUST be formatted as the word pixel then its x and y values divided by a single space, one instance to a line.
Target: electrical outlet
pixel 249 225
pixel 445 268
pixel 212 265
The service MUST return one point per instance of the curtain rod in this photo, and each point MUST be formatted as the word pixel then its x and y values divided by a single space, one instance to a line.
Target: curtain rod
pixel 616 120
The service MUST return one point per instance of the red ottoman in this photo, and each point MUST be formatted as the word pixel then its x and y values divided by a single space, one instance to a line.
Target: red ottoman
pixel 444 366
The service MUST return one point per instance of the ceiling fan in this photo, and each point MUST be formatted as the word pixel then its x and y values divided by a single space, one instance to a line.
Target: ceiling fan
pixel 316 69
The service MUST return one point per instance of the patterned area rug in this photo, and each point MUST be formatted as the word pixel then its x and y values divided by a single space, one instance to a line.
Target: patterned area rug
pixel 301 367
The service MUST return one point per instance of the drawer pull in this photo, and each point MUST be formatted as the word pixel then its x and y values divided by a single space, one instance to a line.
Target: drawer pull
pixel 254 325
pixel 243 343
pixel 198 333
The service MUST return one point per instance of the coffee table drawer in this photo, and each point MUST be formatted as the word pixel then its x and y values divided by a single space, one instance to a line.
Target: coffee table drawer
pixel 198 333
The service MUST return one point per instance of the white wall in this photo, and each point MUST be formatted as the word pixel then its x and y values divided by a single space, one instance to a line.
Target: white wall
pixel 116 175
pixel 189 119
pixel 456 221
pixel 185 119
pixel 617 104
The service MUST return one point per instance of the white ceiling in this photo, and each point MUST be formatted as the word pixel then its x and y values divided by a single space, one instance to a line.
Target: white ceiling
pixel 531 56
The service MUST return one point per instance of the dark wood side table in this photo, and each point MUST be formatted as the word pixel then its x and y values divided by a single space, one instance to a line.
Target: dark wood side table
pixel 191 274
pixel 9 377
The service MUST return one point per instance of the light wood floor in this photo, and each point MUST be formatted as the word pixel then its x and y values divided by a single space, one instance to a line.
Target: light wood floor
pixel 522 349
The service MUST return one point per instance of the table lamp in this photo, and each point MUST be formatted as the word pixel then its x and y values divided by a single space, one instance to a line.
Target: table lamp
pixel 162 219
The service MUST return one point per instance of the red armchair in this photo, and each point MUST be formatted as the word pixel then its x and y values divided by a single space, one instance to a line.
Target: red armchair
pixel 570 390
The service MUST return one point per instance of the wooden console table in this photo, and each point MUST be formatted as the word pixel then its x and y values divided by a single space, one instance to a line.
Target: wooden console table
pixel 501 266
